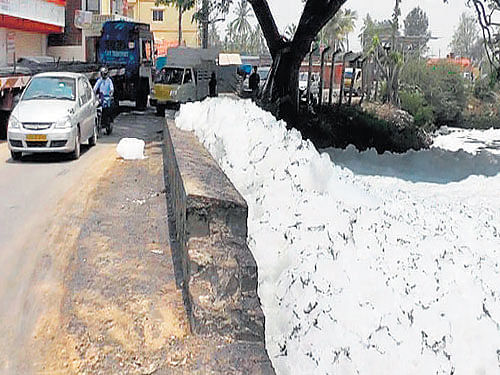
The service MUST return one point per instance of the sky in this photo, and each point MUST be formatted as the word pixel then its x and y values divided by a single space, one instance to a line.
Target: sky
pixel 443 18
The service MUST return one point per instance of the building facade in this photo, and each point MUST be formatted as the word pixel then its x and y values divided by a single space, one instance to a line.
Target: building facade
pixel 83 23
pixel 25 26
pixel 164 21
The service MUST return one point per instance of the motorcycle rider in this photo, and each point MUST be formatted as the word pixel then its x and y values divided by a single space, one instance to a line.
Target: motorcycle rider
pixel 104 89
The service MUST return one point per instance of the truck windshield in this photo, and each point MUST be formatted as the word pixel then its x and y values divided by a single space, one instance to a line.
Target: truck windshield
pixel 170 76
pixel 46 88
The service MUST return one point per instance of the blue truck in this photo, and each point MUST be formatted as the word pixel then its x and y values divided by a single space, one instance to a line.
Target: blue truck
pixel 128 46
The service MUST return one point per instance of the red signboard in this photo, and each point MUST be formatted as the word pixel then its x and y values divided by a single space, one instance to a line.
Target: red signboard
pixel 16 23
pixel 162 46
pixel 58 2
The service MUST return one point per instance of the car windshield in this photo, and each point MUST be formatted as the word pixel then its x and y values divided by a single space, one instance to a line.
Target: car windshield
pixel 47 88
pixel 303 76
pixel 263 72
pixel 170 76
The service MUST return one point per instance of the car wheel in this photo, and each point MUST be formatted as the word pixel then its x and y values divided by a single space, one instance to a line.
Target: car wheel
pixel 93 139
pixel 16 155
pixel 76 152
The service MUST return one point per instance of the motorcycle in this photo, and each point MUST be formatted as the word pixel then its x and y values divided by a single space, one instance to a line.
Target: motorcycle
pixel 105 114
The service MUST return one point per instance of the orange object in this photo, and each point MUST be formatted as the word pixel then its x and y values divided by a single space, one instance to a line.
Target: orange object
pixel 16 23
pixel 58 2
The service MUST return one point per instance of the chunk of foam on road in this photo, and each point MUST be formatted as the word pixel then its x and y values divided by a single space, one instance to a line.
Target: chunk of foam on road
pixel 131 148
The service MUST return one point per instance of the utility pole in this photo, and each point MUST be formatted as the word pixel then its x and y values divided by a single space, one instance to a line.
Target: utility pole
pixel 204 24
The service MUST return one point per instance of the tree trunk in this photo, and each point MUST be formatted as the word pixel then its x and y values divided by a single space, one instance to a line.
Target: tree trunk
pixel 281 91
pixel 180 26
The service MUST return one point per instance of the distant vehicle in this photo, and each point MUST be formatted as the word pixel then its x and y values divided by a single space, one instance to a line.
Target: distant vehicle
pixel 184 78
pixel 348 73
pixel 314 93
pixel 56 113
pixel 263 72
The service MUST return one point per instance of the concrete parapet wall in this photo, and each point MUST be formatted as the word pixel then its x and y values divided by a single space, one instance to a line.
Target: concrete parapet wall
pixel 216 269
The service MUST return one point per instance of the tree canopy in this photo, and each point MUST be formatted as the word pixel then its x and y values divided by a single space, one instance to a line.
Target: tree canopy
pixel 466 36
pixel 416 26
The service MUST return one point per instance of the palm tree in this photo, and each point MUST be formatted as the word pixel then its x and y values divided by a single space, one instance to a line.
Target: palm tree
pixel 213 36
pixel 182 6
pixel 240 24
pixel 290 31
pixel 339 27
pixel 257 43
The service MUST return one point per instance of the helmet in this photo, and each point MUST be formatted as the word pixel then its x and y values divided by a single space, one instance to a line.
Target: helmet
pixel 104 72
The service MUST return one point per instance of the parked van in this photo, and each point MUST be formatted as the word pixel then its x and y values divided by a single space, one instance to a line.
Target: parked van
pixel 184 78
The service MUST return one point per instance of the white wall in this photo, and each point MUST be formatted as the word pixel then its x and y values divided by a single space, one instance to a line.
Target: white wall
pixel 67 53
pixel 35 10
pixel 30 44
pixel 3 46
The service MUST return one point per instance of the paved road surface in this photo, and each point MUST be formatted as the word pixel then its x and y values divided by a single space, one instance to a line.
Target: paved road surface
pixel 42 200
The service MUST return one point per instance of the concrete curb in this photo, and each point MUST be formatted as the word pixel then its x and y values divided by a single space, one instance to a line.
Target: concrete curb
pixel 215 268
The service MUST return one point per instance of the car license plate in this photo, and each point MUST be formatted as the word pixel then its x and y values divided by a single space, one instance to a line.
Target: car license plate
pixel 36 137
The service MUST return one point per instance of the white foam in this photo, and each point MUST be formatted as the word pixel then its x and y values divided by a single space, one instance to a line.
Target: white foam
pixel 382 268
pixel 131 148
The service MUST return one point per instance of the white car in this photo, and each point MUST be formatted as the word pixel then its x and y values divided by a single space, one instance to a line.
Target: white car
pixel 56 113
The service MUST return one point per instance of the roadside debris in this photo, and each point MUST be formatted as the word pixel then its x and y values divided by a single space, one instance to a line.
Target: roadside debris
pixel 131 148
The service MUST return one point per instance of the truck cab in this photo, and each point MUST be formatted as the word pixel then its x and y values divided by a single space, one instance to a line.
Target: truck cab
pixel 184 78
pixel 175 85
pixel 128 45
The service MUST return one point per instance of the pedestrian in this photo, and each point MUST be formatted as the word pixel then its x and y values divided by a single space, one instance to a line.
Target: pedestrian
pixel 253 83
pixel 212 86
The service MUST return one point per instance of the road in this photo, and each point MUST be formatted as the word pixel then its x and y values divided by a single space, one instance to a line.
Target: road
pixel 43 200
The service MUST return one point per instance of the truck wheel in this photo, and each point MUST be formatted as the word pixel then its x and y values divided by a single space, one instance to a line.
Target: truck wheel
pixel 16 155
pixel 4 120
pixel 141 101
pixel 160 110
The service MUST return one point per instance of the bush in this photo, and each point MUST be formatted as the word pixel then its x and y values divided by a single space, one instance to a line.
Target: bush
pixel 340 127
pixel 415 104
pixel 480 122
pixel 442 87
pixel 483 89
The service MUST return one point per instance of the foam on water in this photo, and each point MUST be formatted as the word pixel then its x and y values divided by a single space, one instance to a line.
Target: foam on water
pixel 363 272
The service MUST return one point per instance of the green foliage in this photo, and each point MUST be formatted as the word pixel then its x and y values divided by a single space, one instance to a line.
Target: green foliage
pixel 374 29
pixel 345 125
pixel 442 86
pixel 183 5
pixel 415 104
pixel 480 122
pixel 417 25
pixel 483 89
pixel 338 28
pixel 466 37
